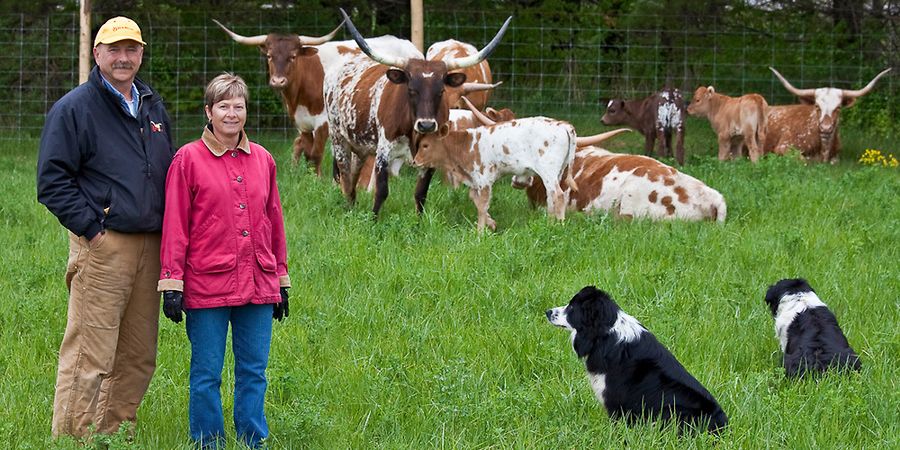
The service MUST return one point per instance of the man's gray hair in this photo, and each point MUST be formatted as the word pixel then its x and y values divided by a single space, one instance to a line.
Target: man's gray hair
pixel 224 87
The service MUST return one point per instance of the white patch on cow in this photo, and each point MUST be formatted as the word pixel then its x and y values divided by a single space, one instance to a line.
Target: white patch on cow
pixel 828 100
pixel 598 385
pixel 788 308
pixel 667 115
pixel 427 74
pixel 627 328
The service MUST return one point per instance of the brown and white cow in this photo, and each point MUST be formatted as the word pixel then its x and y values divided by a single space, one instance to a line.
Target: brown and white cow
pixel 297 71
pixel 738 121
pixel 657 117
pixel 633 186
pixel 480 73
pixel 533 146
pixel 378 104
pixel 812 126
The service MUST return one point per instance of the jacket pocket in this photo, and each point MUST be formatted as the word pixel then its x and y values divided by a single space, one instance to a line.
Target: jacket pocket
pixel 211 248
pixel 264 254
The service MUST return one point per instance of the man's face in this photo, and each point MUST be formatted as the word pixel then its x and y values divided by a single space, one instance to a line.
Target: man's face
pixel 119 62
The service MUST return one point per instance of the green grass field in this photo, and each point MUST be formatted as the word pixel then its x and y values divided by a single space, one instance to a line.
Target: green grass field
pixel 417 332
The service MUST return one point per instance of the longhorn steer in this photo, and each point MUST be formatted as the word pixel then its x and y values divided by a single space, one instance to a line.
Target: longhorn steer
pixel 812 126
pixel 633 186
pixel 738 121
pixel 658 116
pixel 378 106
pixel 296 71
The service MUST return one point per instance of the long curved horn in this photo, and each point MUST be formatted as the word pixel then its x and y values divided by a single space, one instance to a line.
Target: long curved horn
pixel 388 60
pixel 469 88
pixel 791 88
pixel 485 120
pixel 598 138
pixel 471 60
pixel 255 40
pixel 859 93
pixel 306 40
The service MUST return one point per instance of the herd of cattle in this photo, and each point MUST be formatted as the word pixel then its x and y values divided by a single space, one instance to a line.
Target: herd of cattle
pixel 383 103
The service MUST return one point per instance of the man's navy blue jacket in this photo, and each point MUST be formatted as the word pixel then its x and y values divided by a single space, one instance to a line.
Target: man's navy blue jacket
pixel 98 167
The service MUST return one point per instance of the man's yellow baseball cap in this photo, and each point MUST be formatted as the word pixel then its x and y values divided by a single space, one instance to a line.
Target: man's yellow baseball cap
pixel 118 29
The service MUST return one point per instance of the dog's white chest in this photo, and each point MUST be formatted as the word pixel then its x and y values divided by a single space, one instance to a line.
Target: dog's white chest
pixel 598 384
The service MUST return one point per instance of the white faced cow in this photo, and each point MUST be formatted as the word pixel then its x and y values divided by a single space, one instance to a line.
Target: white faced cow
pixel 812 126
pixel 378 106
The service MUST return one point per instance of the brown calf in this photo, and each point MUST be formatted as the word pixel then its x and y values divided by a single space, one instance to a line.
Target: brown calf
pixel 738 121
pixel 658 116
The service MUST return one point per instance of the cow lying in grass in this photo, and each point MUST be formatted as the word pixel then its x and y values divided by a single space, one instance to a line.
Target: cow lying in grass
pixel 523 147
pixel 633 186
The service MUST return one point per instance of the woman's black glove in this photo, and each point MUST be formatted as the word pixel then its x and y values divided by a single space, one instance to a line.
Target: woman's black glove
pixel 281 309
pixel 172 305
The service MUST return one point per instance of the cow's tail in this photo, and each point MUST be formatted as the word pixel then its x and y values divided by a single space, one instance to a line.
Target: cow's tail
pixel 570 162
pixel 762 125
pixel 719 209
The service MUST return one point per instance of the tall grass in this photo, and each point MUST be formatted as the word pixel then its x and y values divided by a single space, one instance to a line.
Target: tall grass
pixel 417 332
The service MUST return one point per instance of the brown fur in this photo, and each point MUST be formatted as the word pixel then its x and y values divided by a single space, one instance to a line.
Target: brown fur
pixel 738 121
pixel 797 126
pixel 473 75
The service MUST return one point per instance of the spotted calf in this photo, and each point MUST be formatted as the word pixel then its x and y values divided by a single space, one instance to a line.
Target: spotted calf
pixel 633 186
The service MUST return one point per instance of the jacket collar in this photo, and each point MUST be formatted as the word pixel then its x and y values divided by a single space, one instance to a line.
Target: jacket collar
pixel 217 147
pixel 144 90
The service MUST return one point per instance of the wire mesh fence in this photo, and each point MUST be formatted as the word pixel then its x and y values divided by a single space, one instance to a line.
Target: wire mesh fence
pixel 565 67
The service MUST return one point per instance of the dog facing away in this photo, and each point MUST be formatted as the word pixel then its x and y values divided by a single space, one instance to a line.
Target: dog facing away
pixel 807 330
pixel 631 373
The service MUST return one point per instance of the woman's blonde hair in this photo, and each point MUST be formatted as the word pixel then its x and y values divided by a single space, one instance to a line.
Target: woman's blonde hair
pixel 226 86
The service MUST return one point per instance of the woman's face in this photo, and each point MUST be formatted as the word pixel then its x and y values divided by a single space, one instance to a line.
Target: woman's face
pixel 228 117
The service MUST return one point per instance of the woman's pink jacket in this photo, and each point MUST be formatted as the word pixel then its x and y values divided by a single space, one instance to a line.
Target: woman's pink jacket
pixel 223 241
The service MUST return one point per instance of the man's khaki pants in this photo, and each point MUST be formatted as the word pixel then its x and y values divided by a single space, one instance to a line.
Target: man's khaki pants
pixel 108 353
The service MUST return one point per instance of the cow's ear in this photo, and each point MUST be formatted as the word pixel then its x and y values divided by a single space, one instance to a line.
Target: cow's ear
pixel 397 76
pixel 455 79
pixel 711 89
pixel 263 49
pixel 444 130
pixel 848 101
pixel 307 51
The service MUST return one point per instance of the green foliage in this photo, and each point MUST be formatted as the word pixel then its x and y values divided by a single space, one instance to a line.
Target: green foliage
pixel 417 332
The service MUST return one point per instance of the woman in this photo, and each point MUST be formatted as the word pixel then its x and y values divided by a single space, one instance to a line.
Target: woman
pixel 224 261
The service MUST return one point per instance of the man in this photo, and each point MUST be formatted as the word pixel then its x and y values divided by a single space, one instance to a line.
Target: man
pixel 104 154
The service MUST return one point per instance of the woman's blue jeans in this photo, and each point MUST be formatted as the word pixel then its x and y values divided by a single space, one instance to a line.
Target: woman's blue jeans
pixel 251 336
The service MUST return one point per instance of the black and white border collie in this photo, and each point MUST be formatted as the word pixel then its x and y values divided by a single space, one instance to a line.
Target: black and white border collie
pixel 631 373
pixel 807 330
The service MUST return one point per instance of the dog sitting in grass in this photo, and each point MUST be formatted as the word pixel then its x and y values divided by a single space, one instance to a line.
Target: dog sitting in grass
pixel 631 373
pixel 807 330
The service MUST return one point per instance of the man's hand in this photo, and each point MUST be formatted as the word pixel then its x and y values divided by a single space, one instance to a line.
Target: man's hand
pixel 281 309
pixel 172 305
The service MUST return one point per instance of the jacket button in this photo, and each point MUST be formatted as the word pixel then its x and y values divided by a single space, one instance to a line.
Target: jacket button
pixel 242 206
pixel 239 179
pixel 245 233
pixel 234 154
pixel 168 274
